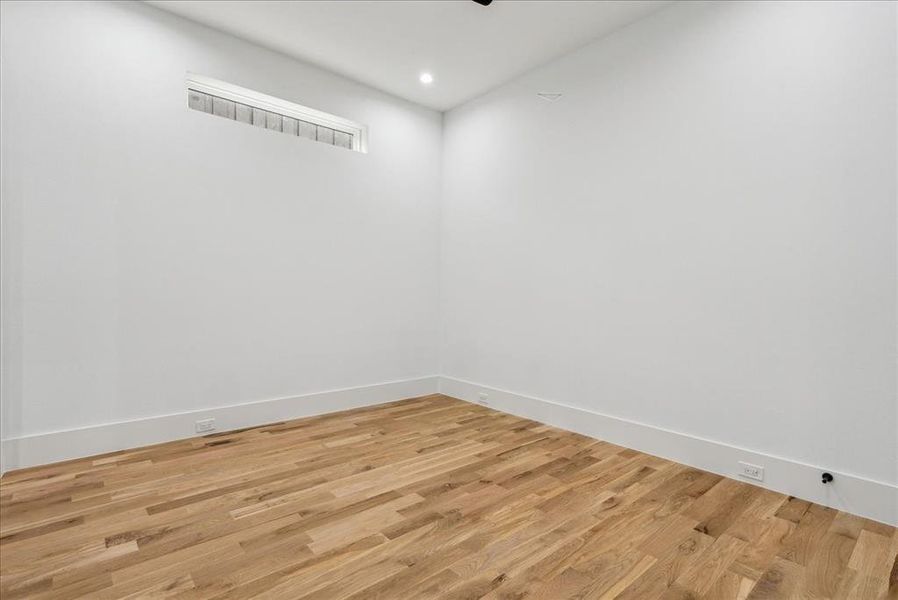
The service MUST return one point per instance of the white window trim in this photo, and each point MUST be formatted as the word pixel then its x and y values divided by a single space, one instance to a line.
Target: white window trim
pixel 229 91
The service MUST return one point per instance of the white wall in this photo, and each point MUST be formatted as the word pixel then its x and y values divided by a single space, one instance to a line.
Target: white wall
pixel 700 236
pixel 159 260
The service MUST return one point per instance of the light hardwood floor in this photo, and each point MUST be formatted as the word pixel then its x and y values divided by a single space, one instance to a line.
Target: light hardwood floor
pixel 424 498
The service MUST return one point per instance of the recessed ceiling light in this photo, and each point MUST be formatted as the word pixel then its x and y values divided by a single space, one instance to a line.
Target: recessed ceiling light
pixel 425 78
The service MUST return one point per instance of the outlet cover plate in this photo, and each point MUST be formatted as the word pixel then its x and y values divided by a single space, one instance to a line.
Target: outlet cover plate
pixel 750 471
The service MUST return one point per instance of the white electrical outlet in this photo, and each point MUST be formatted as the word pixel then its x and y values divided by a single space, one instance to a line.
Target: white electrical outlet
pixel 205 425
pixel 751 471
pixel 483 398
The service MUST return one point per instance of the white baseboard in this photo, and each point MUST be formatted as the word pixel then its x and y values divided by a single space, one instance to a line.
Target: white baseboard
pixel 43 448
pixel 857 495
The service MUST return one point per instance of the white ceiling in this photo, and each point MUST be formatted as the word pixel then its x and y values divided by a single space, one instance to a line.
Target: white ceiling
pixel 468 48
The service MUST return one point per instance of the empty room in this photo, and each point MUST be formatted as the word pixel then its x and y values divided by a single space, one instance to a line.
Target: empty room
pixel 449 299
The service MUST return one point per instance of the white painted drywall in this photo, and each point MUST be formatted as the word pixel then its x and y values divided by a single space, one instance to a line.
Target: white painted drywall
pixel 699 236
pixel 159 260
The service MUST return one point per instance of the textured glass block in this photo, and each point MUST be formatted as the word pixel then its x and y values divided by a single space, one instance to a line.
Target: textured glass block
pixel 259 117
pixel 199 101
pixel 223 108
pixel 289 126
pixel 244 113
pixel 325 134
pixel 342 139
pixel 308 130
pixel 273 121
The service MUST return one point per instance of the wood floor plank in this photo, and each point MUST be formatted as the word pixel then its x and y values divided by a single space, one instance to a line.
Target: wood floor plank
pixel 422 498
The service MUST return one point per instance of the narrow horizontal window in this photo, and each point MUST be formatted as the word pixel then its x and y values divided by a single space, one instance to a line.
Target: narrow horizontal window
pixel 260 110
